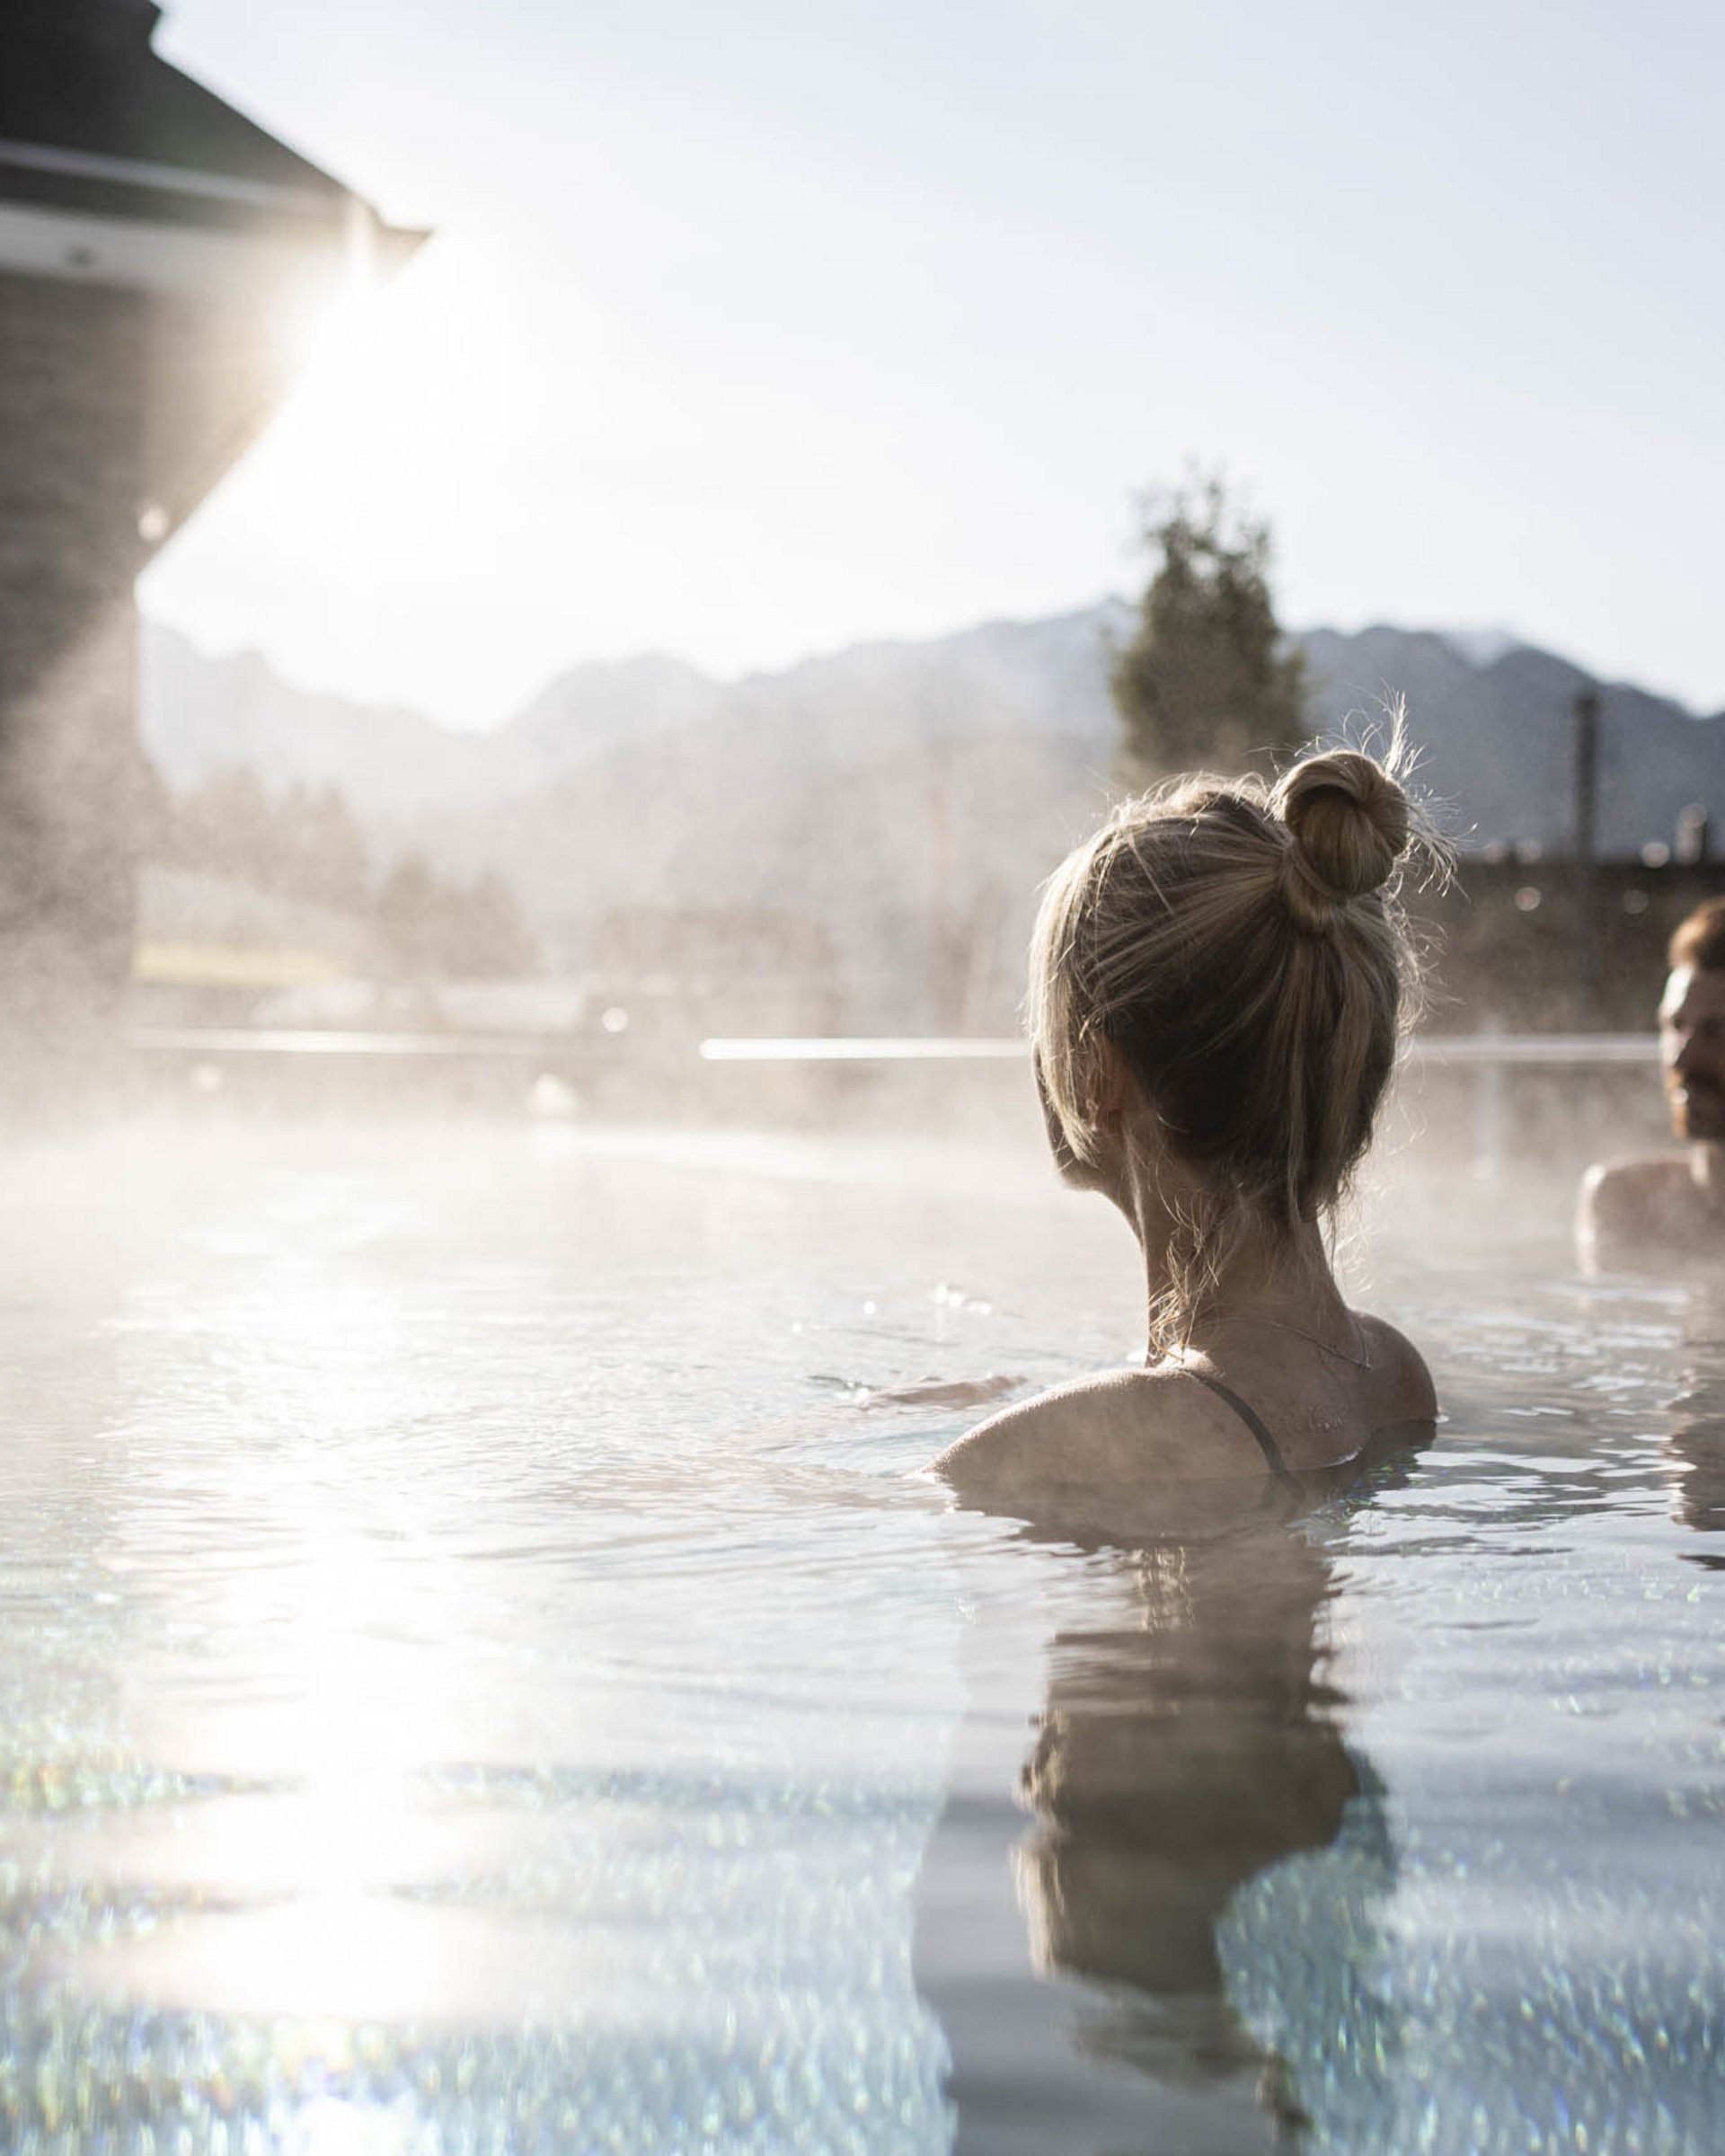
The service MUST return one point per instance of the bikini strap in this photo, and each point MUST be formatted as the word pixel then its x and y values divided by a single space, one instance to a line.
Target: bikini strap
pixel 1253 1421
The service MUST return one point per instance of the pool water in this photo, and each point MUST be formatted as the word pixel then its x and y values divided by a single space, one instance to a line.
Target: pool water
pixel 474 1679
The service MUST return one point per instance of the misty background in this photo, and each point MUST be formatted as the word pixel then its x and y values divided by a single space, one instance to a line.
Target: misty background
pixel 848 845
pixel 597 535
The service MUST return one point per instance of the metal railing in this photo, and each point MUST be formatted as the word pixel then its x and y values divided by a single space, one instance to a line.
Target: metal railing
pixel 1435 1051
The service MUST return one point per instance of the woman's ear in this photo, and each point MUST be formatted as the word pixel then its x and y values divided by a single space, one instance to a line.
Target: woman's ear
pixel 1114 1086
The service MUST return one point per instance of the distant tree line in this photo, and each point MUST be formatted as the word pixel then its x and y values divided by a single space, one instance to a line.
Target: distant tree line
pixel 304 842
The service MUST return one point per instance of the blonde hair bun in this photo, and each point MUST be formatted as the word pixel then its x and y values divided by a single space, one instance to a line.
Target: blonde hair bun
pixel 1348 822
pixel 1243 957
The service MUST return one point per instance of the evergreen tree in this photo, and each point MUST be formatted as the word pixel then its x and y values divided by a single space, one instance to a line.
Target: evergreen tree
pixel 443 930
pixel 306 843
pixel 489 938
pixel 1201 682
pixel 410 913
pixel 227 826
pixel 323 852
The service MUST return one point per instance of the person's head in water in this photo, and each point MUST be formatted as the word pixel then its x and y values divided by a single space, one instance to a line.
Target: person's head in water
pixel 1692 1026
pixel 1217 981
pixel 1670 1209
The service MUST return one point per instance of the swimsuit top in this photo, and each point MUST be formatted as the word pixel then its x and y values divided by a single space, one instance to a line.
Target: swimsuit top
pixel 1254 1422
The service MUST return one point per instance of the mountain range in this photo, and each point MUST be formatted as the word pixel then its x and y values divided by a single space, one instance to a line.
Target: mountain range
pixel 908 795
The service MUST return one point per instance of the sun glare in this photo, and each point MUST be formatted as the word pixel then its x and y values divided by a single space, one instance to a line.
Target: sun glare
pixel 324 328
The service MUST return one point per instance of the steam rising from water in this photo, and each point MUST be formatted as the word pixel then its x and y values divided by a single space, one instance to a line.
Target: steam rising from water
pixel 468 1663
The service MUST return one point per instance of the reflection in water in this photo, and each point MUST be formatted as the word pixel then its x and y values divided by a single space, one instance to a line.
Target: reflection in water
pixel 1181 1753
pixel 395 1628
pixel 406 1747
pixel 1189 1753
pixel 1697 1438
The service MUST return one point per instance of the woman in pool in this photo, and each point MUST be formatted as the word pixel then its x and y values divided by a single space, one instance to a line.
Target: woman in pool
pixel 1217 981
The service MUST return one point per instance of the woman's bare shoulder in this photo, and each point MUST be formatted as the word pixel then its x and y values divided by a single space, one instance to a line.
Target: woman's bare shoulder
pixel 1120 1426
pixel 1401 1388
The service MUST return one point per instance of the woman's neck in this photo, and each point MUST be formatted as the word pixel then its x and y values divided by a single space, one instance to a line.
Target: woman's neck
pixel 1269 1277
pixel 1277 1280
pixel 1286 1285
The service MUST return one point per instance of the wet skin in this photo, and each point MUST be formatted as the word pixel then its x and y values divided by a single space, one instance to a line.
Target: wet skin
pixel 1274 1329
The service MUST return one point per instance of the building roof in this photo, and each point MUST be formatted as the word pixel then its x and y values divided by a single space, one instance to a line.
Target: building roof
pixel 117 169
pixel 93 122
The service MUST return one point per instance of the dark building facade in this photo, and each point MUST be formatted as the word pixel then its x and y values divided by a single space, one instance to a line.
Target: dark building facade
pixel 157 251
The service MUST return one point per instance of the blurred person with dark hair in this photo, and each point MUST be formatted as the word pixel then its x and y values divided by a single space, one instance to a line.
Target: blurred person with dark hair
pixel 1671 1206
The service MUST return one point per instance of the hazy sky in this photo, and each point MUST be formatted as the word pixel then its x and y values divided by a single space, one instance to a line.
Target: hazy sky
pixel 753 332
